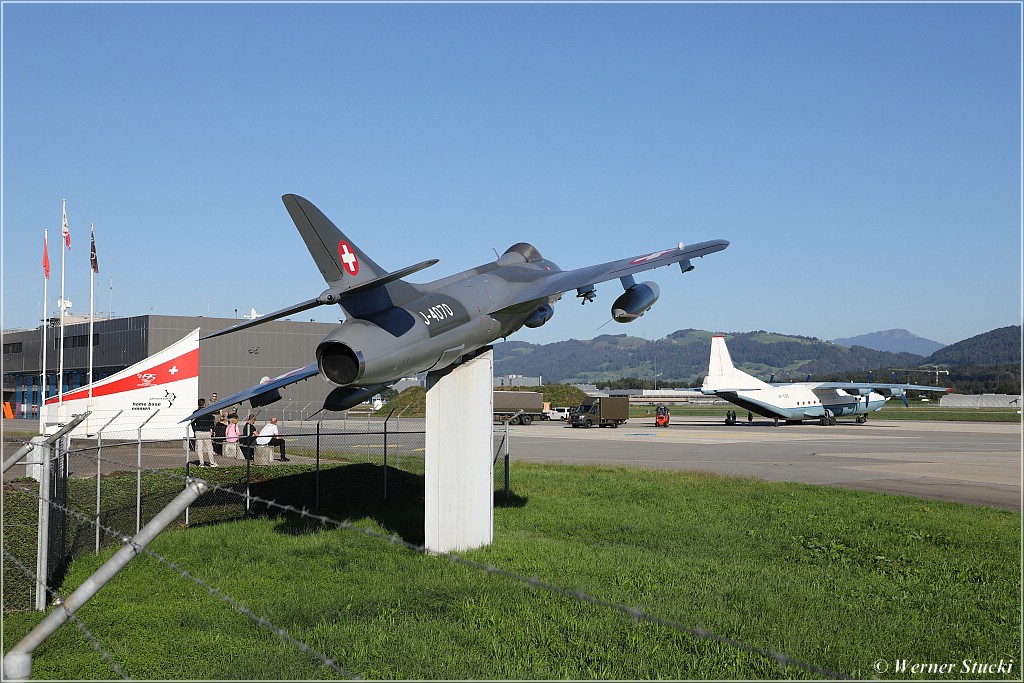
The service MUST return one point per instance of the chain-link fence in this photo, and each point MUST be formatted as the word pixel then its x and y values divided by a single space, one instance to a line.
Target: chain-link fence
pixel 121 484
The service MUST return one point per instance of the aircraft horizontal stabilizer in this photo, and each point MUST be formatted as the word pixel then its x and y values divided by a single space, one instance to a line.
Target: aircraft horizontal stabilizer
pixel 334 295
pixel 284 312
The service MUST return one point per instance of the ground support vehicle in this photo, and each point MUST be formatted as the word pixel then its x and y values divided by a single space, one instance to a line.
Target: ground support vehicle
pixel 661 417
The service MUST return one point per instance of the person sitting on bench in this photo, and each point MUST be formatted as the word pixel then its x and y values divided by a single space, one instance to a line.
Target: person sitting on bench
pixel 269 436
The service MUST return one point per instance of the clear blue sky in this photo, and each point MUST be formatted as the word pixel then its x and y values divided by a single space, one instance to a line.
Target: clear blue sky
pixel 863 159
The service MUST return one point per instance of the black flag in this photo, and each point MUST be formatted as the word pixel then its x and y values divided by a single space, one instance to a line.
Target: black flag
pixel 92 252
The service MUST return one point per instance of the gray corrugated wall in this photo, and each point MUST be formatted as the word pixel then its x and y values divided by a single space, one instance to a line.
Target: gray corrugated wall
pixel 239 360
pixel 226 364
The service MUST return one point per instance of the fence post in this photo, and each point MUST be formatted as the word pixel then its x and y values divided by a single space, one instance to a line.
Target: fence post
pixel 42 446
pixel 386 452
pixel 43 546
pixel 188 462
pixel 99 458
pixel 508 488
pixel 398 428
pixel 47 441
pixel 316 476
pixel 62 464
pixel 18 662
pixel 248 476
pixel 138 476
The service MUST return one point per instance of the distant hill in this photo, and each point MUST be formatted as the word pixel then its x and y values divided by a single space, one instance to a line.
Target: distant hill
pixel 681 358
pixel 998 347
pixel 894 341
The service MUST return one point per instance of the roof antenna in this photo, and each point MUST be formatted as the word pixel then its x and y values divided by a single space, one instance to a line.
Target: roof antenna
pixel 496 254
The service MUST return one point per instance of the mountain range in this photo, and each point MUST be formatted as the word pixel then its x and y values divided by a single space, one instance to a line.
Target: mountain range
pixel 894 341
pixel 681 358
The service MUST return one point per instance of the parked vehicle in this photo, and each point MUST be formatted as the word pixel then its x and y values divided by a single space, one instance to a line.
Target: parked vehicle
pixel 610 411
pixel 559 413
pixel 508 403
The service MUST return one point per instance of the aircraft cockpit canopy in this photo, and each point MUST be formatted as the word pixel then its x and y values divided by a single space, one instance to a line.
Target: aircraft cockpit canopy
pixel 526 250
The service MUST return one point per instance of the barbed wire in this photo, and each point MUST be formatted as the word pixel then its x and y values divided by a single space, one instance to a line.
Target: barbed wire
pixel 637 613
pixel 212 590
pixel 59 601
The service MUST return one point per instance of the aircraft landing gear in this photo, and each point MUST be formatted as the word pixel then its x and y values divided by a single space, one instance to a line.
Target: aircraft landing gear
pixel 828 419
pixel 861 419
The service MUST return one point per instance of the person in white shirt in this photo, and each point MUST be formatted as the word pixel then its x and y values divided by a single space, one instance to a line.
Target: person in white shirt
pixel 269 436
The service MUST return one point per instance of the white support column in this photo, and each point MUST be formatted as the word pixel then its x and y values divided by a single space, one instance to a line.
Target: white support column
pixel 459 472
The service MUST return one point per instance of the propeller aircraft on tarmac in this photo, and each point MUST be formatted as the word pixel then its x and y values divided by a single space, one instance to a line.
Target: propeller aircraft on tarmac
pixel 394 328
pixel 798 401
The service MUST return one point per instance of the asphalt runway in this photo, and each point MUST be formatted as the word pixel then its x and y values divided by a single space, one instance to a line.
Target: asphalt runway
pixel 969 462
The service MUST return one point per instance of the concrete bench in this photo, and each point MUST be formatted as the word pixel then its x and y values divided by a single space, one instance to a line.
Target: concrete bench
pixel 263 455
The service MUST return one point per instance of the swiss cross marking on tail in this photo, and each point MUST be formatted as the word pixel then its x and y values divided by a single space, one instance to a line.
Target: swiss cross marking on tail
pixel 348 258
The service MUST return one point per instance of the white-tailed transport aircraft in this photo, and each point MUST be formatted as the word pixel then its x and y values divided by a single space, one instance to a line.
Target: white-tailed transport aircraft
pixel 798 401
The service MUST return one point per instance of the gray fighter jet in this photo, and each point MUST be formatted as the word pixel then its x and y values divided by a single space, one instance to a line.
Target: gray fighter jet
pixel 395 328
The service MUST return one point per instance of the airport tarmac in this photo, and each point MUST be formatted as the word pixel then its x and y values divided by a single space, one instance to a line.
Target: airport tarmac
pixel 970 462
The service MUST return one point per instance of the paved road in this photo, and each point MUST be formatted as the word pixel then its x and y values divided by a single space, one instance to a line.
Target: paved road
pixel 970 462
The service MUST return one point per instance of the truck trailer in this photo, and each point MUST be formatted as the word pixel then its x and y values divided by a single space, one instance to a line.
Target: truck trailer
pixel 508 403
pixel 603 411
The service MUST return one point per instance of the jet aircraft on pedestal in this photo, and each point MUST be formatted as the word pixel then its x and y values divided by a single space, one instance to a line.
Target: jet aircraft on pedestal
pixel 394 328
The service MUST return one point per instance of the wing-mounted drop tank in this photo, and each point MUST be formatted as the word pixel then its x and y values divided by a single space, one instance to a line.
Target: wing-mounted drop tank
pixel 635 301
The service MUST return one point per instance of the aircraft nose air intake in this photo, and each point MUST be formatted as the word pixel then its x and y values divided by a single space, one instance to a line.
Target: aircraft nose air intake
pixel 339 363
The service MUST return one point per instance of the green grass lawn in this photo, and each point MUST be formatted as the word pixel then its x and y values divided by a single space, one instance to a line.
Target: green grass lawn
pixel 834 578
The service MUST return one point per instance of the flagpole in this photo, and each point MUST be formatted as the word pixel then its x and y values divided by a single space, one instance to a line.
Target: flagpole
pixel 46 322
pixel 60 362
pixel 92 314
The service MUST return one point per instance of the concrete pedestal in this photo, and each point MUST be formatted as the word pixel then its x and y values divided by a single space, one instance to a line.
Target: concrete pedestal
pixel 459 472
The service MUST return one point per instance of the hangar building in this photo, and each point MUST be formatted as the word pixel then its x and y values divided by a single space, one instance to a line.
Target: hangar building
pixel 226 364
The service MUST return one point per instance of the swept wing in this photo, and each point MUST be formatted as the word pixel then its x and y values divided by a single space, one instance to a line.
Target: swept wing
pixel 580 278
pixel 876 386
pixel 259 391
pixel 895 390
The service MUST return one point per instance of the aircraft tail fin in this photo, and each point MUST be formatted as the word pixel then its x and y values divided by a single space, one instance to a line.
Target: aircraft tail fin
pixel 340 261
pixel 356 284
pixel 723 375
pixel 720 363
